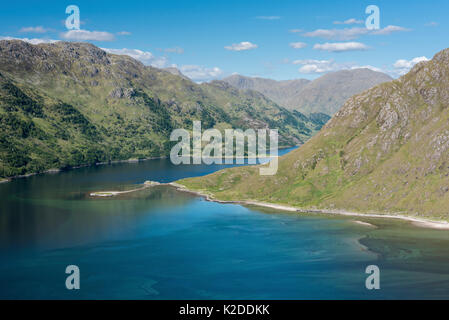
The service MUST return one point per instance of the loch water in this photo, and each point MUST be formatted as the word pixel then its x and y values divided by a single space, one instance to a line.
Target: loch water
pixel 160 243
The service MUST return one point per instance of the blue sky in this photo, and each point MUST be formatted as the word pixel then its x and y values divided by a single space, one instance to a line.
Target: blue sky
pixel 212 39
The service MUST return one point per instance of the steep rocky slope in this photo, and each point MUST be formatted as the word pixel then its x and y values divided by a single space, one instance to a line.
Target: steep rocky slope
pixel 386 150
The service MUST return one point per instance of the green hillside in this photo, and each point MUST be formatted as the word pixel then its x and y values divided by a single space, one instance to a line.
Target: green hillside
pixel 69 104
pixel 386 150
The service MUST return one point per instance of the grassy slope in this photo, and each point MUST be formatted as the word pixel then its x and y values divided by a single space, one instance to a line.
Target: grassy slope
pixel 386 150
pixel 92 106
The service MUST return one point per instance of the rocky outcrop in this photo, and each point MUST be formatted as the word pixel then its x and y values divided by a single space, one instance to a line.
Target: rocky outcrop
pixel 119 93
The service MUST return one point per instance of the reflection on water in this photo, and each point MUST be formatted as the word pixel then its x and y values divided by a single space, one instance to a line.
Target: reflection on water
pixel 77 218
pixel 159 243
pixel 54 209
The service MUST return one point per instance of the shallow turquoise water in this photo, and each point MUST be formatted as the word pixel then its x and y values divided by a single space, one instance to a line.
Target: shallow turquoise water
pixel 163 244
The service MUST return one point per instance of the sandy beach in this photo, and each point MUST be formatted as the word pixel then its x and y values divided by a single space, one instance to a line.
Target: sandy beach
pixel 420 222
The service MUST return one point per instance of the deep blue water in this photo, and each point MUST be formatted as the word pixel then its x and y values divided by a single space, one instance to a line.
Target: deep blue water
pixel 163 244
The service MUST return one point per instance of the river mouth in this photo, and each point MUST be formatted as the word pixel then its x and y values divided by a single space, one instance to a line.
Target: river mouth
pixel 159 243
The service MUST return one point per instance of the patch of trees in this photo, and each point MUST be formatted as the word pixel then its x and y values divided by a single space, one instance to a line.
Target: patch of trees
pixel 72 116
pixel 17 99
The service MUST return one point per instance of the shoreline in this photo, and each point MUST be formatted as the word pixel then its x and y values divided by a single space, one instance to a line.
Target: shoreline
pixel 419 222
pixel 58 170
pixel 101 194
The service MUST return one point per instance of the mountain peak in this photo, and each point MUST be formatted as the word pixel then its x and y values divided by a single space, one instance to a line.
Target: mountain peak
pixel 442 56
pixel 175 71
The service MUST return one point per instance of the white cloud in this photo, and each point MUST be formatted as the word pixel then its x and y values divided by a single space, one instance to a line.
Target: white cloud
pixel 340 46
pixel 312 68
pixel 242 46
pixel 316 66
pixel 323 66
pixel 268 17
pixel 296 30
pixel 146 57
pixel 351 33
pixel 199 73
pixel 350 21
pixel 298 45
pixel 403 66
pixel 368 67
pixel 124 33
pixel 389 30
pixel 32 41
pixel 400 67
pixel 337 34
pixel 38 29
pixel 83 35
pixel 194 72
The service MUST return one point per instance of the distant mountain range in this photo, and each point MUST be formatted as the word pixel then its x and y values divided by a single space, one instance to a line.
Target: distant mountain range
pixel 323 95
pixel 68 104
pixel 385 151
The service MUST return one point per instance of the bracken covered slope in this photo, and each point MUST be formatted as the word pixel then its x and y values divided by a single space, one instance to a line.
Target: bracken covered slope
pixel 386 150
